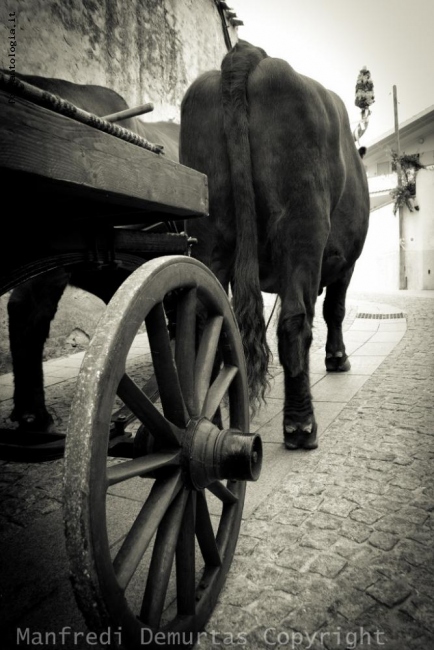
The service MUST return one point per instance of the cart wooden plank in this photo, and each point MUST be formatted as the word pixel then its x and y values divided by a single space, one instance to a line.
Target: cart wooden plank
pixel 45 149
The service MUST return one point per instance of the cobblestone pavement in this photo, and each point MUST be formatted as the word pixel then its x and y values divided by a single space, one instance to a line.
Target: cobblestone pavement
pixel 336 544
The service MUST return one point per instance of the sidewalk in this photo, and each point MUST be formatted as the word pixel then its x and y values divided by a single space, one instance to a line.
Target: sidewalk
pixel 336 545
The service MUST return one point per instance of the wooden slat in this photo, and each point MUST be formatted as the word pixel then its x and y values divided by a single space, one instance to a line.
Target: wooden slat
pixel 88 162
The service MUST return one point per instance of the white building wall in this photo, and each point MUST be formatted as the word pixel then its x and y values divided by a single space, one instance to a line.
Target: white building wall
pixel 377 269
pixel 425 194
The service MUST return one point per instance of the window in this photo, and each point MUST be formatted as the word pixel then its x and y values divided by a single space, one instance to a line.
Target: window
pixel 383 168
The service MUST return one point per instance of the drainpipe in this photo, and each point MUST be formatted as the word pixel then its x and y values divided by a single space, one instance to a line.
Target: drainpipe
pixel 402 278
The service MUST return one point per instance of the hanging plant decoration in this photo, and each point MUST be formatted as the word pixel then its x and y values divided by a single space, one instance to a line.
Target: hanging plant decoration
pixel 364 90
pixel 364 98
pixel 408 166
pixel 402 196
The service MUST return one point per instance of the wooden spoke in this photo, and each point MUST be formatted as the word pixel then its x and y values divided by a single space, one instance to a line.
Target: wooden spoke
pixel 205 534
pixel 221 492
pixel 140 466
pixel 185 561
pixel 164 366
pixel 185 350
pixel 137 541
pixel 217 391
pixel 162 561
pixel 146 412
pixel 206 357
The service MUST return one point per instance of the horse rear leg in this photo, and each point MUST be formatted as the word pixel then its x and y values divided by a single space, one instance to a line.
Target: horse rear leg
pixel 294 340
pixel 31 308
pixel 334 313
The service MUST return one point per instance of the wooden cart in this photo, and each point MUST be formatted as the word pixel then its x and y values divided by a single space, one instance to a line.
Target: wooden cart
pixel 189 445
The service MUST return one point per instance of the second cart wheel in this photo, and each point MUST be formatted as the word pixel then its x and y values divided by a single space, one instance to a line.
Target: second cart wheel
pixel 158 578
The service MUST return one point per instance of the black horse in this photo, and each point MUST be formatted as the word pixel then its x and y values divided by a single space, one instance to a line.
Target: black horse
pixel 289 207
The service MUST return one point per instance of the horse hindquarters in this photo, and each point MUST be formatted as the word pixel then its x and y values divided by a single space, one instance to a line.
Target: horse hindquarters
pixel 31 309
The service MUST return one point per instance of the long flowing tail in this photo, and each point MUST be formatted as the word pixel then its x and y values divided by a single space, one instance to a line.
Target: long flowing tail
pixel 248 302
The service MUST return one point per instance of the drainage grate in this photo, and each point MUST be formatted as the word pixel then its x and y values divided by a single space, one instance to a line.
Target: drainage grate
pixel 382 316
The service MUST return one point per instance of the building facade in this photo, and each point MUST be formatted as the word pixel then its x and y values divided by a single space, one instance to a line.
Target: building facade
pixel 392 247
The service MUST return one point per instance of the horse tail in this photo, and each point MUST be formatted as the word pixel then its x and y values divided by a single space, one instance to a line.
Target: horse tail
pixel 248 303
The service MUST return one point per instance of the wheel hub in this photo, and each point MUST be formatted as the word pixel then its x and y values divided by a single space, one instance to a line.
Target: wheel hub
pixel 212 454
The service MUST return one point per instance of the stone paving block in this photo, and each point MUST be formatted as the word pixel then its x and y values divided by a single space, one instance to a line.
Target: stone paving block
pixel 323 521
pixel 365 365
pixel 228 621
pixel 326 413
pixel 319 539
pixel 327 565
pixel 263 570
pixel 380 465
pixel 389 592
pixel 406 481
pixel 421 579
pixel 385 504
pixel 403 460
pixel 384 541
pixel 366 515
pixel 356 577
pixel 394 325
pixel 394 524
pixel 340 507
pixel 347 548
pixel 246 545
pixel 358 498
pixel 297 561
pixel 420 609
pixel 281 536
pixel 315 377
pixel 354 604
pixel 290 581
pixel 309 503
pixel 357 531
pixel 256 528
pixel 275 504
pixel 376 349
pixel 362 325
pixel 388 336
pixel 337 388
pixel 422 535
pixel 265 415
pixel 367 556
pixel 272 606
pixel 370 485
pixel 292 517
pixel 306 620
pixel 360 336
pixel 414 553
pixel 241 592
pixel 414 515
pixel 398 493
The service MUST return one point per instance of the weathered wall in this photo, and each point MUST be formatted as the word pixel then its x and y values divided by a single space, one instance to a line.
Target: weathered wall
pixel 147 50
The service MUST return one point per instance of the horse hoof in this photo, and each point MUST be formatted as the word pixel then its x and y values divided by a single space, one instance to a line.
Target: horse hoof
pixel 30 422
pixel 337 364
pixel 301 437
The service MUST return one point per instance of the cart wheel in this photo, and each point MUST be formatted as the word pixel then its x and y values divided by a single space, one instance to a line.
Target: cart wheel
pixel 157 581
